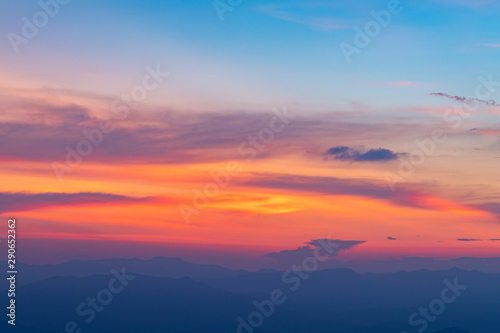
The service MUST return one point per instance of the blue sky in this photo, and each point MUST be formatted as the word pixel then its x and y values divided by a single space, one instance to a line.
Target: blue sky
pixel 267 52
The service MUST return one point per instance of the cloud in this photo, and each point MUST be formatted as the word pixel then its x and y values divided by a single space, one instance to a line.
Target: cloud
pixel 345 153
pixel 490 207
pixel 466 100
pixel 324 247
pixel 16 202
pixel 391 238
pixel 477 240
pixel 415 196
pixel 485 131
pixel 311 20
pixel 396 83
pixel 41 130
pixel 491 45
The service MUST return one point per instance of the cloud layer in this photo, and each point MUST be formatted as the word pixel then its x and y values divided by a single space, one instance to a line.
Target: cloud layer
pixel 16 202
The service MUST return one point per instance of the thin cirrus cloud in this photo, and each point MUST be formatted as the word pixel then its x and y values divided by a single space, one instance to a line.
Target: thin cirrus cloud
pixel 345 153
pixel 312 21
pixel 396 83
pixel 485 131
pixel 17 202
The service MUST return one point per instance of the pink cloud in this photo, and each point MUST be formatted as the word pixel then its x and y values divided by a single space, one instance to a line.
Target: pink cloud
pixel 395 83
pixel 491 45
pixel 485 131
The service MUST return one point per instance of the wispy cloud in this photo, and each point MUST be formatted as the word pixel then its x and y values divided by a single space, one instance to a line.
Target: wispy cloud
pixel 485 131
pixel 466 100
pixel 315 22
pixel 491 45
pixel 396 83
pixel 16 202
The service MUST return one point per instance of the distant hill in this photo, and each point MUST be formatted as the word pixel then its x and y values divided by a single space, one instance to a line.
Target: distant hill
pixel 335 300
pixel 452 330
pixel 162 267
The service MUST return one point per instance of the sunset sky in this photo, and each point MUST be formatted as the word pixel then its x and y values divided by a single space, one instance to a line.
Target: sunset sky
pixel 398 148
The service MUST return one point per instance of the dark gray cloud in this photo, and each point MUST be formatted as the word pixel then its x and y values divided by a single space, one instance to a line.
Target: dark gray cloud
pixel 327 247
pixel 16 202
pixel 391 238
pixel 478 240
pixel 345 153
pixel 466 100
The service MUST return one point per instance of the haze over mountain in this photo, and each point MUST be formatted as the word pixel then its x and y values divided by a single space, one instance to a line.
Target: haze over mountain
pixel 211 299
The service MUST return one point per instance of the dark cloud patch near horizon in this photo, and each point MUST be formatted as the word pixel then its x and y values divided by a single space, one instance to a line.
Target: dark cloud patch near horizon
pixel 323 247
pixel 478 240
pixel 345 153
pixel 392 238
pixel 22 201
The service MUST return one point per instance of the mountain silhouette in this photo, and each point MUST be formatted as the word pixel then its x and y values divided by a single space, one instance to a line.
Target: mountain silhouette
pixel 214 299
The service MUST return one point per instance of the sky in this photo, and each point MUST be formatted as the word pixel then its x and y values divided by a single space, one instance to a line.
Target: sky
pixel 221 133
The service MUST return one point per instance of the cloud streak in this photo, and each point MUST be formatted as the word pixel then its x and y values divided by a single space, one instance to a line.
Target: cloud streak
pixel 17 202
pixel 407 196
